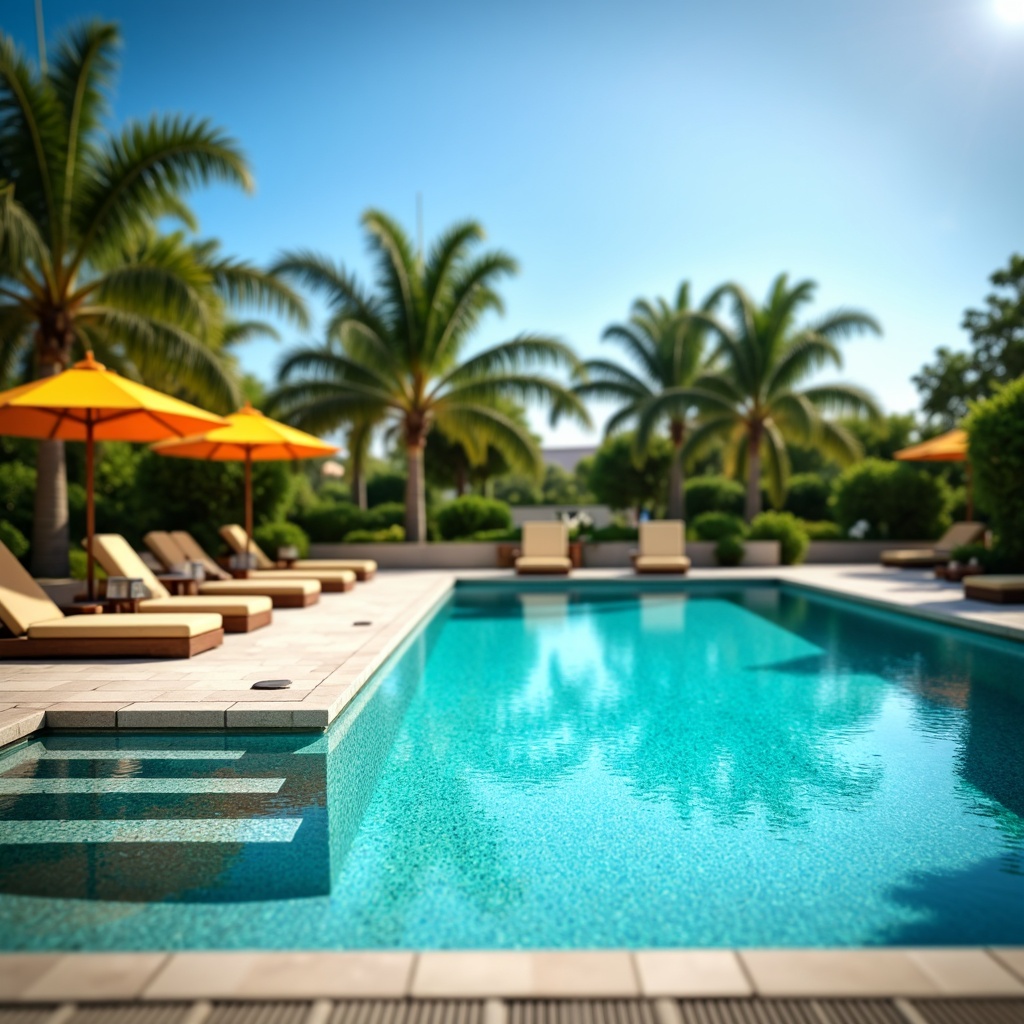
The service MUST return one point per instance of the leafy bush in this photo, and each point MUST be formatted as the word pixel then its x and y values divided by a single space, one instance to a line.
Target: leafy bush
pixel 271 536
pixel 716 525
pixel 470 514
pixel 899 501
pixel 807 496
pixel 730 550
pixel 713 494
pixel 16 541
pixel 996 431
pixel 78 566
pixel 334 492
pixel 385 488
pixel 391 534
pixel 517 489
pixel 993 560
pixel 380 517
pixel 509 535
pixel 329 524
pixel 786 529
pixel 615 532
pixel 17 495
pixel 823 530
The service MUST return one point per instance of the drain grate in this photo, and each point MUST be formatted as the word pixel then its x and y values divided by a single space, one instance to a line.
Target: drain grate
pixel 860 1011
pixel 748 1011
pixel 129 1013
pixel 582 1011
pixel 971 1011
pixel 25 1014
pixel 259 1013
pixel 394 1012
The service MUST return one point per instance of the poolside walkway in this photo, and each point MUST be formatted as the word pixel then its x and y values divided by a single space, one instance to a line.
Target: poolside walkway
pixel 328 656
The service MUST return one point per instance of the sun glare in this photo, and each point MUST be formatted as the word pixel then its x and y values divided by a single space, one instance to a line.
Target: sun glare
pixel 1011 11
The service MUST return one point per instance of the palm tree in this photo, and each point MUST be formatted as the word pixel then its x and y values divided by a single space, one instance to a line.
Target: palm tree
pixel 668 343
pixel 755 403
pixel 397 353
pixel 73 199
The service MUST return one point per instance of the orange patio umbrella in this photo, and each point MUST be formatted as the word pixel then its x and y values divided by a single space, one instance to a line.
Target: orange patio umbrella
pixel 948 447
pixel 90 403
pixel 248 436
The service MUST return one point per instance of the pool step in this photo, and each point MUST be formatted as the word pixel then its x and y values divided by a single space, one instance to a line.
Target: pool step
pixel 169 830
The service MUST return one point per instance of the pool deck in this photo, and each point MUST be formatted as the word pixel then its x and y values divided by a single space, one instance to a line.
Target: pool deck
pixel 329 657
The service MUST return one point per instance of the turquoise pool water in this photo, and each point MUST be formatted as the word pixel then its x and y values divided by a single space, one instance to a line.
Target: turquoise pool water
pixel 598 767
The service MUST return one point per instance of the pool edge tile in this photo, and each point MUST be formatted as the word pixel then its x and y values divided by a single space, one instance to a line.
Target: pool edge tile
pixel 1011 957
pixel 19 971
pixel 94 977
pixel 283 975
pixel 966 971
pixel 475 974
pixel 690 973
pixel 839 973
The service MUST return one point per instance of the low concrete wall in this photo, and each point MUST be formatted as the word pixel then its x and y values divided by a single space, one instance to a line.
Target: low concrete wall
pixel 857 552
pixel 615 554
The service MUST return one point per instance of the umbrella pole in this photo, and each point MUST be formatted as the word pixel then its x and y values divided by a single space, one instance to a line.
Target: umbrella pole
pixel 248 501
pixel 90 510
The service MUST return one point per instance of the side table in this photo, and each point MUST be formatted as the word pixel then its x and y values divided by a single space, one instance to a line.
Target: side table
pixel 180 585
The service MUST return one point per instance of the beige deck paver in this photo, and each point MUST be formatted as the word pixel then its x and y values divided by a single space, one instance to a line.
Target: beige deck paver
pixel 19 971
pixel 83 716
pixel 17 722
pixel 156 715
pixel 692 973
pixel 525 975
pixel 837 973
pixel 381 975
pixel 967 972
pixel 1011 957
pixel 94 977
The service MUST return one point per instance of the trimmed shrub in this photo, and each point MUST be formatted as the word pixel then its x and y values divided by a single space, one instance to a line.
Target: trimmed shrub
pixel 716 525
pixel 78 566
pixel 807 497
pixel 391 534
pixel 615 532
pixel 512 534
pixel 271 536
pixel 380 517
pixel 786 529
pixel 898 500
pixel 714 494
pixel 17 495
pixel 996 431
pixel 334 492
pixel 992 560
pixel 16 541
pixel 328 524
pixel 471 514
pixel 730 550
pixel 385 489
pixel 822 530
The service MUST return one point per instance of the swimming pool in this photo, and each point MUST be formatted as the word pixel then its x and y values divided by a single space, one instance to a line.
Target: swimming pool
pixel 539 767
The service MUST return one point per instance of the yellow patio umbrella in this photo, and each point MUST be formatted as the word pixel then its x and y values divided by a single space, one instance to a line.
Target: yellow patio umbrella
pixel 949 447
pixel 90 403
pixel 248 436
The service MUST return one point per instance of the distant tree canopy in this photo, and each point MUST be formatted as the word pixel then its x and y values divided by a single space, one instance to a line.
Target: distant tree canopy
pixel 953 379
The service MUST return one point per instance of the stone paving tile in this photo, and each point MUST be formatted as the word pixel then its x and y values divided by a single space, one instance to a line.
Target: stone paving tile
pixel 94 977
pixel 185 715
pixel 19 971
pixel 1011 957
pixel 837 973
pixel 362 975
pixel 967 972
pixel 691 973
pixel 524 975
pixel 83 716
pixel 18 722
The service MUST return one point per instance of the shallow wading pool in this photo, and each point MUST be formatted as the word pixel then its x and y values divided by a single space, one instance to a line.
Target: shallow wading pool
pixel 594 766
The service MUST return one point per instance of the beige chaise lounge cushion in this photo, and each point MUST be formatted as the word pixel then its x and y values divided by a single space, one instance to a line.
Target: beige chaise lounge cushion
pixel 234 535
pixel 981 582
pixel 195 553
pixel 124 627
pixel 662 563
pixel 116 556
pixel 545 548
pixel 22 601
pixel 524 564
pixel 957 535
pixel 170 552
pixel 665 539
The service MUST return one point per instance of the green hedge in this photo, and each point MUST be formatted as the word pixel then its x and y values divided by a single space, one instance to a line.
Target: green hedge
pixel 713 494
pixel 898 500
pixel 13 538
pixel 388 535
pixel 808 496
pixel 471 514
pixel 716 525
pixel 615 532
pixel 271 536
pixel 996 431
pixel 730 550
pixel 823 530
pixel 331 523
pixel 786 529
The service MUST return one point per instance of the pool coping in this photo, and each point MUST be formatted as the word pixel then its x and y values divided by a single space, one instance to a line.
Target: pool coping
pixel 153 977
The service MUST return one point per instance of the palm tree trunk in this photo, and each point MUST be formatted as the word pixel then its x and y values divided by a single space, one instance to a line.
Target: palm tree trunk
pixel 415 497
pixel 676 477
pixel 753 505
pixel 358 485
pixel 50 516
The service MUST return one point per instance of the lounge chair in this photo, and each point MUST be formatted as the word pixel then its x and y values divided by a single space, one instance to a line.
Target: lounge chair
pixel 662 547
pixel 41 630
pixel 240 614
pixel 1000 589
pixel 331 578
pixel 924 558
pixel 364 568
pixel 545 549
pixel 287 593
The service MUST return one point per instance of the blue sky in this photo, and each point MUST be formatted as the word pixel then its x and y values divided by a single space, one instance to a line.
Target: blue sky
pixel 615 148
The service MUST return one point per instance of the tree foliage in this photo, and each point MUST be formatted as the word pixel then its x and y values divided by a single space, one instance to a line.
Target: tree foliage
pixel 618 477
